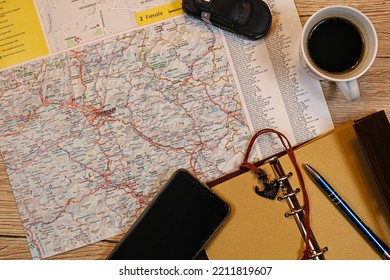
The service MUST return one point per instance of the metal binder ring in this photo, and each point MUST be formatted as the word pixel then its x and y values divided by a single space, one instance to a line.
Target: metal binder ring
pixel 285 177
pixel 293 212
pixel 287 195
pixel 281 179
pixel 315 255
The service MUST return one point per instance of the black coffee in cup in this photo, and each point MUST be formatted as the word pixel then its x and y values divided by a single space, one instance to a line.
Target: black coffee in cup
pixel 335 45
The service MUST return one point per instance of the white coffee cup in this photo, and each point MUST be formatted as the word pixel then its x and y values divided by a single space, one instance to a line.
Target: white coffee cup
pixel 346 79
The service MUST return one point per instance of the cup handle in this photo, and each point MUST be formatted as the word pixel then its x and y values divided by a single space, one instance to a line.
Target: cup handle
pixel 350 89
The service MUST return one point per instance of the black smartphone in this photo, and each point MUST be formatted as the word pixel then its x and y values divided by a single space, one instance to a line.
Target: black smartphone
pixel 176 225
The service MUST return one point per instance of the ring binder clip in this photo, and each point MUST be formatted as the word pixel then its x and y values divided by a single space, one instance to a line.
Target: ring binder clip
pixel 296 210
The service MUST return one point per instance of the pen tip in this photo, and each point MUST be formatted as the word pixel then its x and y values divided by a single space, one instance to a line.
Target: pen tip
pixel 308 167
pixel 312 172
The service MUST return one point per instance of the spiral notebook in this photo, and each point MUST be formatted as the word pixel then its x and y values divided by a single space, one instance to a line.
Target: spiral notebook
pixel 258 229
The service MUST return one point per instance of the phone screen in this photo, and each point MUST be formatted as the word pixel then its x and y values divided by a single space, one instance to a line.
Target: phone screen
pixel 177 223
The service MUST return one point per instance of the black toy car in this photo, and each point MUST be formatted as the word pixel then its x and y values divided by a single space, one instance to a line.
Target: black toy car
pixel 249 18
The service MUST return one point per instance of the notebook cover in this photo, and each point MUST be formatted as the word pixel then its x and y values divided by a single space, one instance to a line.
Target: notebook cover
pixel 373 133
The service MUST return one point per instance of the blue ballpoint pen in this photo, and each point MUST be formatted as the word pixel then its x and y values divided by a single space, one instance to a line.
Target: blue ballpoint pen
pixel 376 243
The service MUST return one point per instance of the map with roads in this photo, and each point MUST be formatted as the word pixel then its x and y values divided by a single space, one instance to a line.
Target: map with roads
pixel 94 131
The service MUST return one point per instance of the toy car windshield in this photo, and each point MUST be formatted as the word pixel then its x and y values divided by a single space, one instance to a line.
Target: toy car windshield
pixel 249 18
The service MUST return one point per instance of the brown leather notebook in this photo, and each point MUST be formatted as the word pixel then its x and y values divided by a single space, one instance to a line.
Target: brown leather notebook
pixel 373 133
pixel 257 227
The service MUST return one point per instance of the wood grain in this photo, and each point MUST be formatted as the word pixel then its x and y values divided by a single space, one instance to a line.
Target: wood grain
pixel 374 96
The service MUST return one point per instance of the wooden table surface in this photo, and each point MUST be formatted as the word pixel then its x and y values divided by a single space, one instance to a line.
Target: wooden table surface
pixel 374 96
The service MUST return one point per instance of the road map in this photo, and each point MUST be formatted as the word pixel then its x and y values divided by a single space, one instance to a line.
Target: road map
pixel 94 129
pixel 89 134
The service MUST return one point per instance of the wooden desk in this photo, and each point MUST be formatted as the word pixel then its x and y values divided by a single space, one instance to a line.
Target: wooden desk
pixel 374 88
